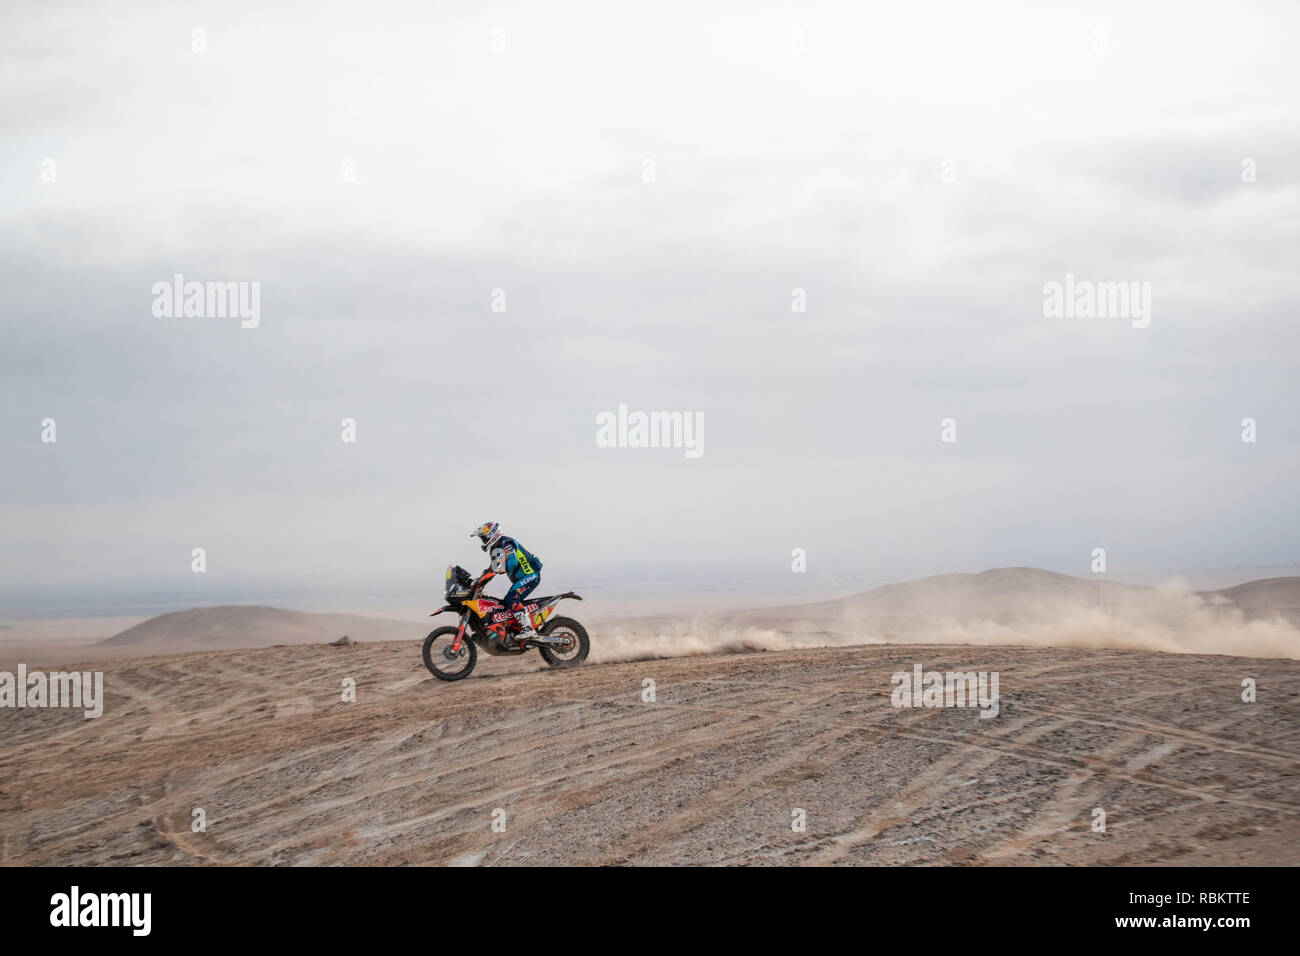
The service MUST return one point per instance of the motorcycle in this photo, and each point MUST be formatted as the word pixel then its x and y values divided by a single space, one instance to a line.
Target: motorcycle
pixel 450 653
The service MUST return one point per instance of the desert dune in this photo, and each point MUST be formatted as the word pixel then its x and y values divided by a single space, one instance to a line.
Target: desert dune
pixel 582 767
pixel 1114 697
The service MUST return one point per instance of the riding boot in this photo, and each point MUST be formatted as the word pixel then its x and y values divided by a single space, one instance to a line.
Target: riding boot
pixel 526 631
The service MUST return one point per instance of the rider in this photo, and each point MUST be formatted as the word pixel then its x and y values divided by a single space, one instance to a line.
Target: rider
pixel 508 556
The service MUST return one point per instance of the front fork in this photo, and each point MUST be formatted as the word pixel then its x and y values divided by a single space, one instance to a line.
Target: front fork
pixel 460 634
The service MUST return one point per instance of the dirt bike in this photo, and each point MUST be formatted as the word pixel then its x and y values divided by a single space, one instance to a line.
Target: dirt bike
pixel 450 653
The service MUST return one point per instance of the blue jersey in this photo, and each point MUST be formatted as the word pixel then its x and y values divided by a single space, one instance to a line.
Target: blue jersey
pixel 512 558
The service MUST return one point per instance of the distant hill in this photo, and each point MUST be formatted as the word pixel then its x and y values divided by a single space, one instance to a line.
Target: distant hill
pixel 1033 606
pixel 999 591
pixel 1266 598
pixel 234 626
pixel 1266 593
pixel 999 594
pixel 1008 605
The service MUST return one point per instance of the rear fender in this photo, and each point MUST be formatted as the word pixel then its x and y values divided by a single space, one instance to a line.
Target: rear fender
pixel 545 611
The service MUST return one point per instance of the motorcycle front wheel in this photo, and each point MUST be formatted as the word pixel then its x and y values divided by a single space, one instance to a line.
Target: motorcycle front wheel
pixel 445 663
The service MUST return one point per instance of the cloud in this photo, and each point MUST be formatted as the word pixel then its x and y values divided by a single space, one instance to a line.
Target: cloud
pixel 789 151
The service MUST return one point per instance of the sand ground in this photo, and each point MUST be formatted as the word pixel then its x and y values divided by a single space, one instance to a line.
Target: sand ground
pixel 584 771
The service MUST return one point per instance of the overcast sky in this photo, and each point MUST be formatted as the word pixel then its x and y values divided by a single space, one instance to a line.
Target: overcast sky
pixel 648 187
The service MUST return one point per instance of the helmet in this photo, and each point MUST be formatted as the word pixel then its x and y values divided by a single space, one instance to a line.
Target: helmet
pixel 487 534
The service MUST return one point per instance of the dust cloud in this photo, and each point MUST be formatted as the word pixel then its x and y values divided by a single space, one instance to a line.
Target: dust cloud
pixel 1172 619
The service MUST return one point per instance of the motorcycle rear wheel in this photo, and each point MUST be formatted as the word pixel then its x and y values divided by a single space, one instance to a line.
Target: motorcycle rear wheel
pixel 572 656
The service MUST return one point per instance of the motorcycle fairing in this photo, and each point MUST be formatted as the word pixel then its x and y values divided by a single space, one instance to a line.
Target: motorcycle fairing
pixel 493 612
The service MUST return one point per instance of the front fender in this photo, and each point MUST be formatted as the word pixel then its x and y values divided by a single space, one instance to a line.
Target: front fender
pixel 444 610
